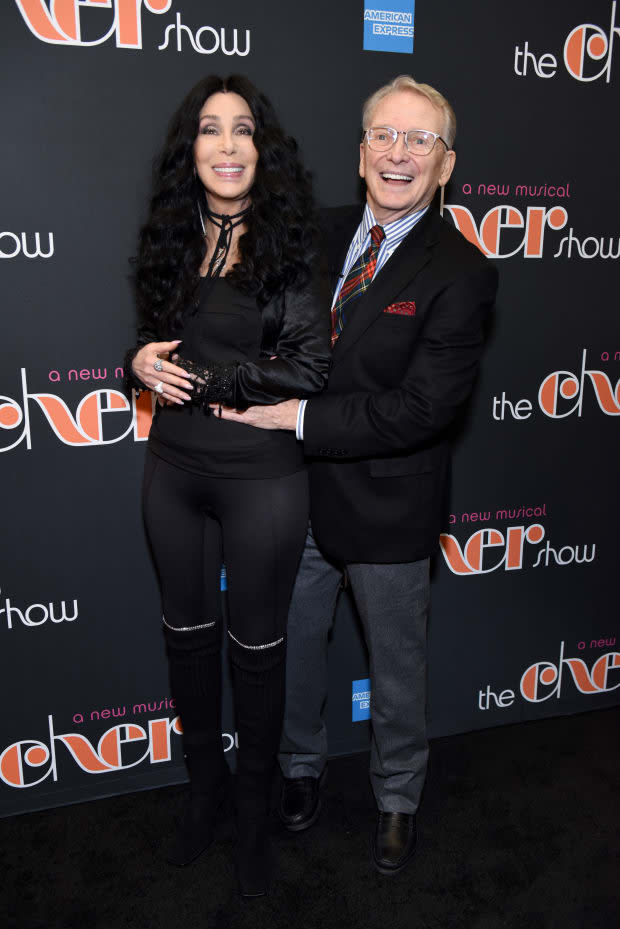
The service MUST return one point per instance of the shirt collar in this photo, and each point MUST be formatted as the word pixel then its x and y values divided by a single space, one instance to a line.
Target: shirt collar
pixel 395 231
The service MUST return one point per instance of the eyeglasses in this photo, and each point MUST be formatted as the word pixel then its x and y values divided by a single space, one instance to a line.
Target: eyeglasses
pixel 418 141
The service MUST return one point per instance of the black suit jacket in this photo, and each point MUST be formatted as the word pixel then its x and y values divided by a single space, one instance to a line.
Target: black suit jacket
pixel 378 435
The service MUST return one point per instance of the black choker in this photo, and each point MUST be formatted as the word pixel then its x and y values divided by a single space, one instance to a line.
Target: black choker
pixel 225 224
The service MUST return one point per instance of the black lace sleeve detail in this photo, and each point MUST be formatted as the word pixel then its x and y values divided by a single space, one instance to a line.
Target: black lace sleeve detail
pixel 130 381
pixel 213 382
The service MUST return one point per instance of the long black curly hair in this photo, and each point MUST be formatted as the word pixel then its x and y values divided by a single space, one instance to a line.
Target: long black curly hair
pixel 279 246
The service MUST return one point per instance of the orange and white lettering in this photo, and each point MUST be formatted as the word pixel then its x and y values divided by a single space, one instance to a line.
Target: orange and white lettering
pixel 159 734
pixel 515 538
pixel 87 427
pixel 568 386
pixel 59 23
pixel 602 668
pixel 476 546
pixel 537 218
pixel 14 758
pixel 546 673
pixel 83 753
pixel 489 238
pixel 18 759
pixel 471 558
pixel 543 672
pixel 588 41
pixel 608 398
pixel 111 744
pixel 143 415
pixel 581 675
pixel 559 384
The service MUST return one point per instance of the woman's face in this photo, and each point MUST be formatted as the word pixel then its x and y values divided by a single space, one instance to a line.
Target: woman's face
pixel 224 152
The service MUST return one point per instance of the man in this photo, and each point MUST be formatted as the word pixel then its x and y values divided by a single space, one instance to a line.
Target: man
pixel 410 300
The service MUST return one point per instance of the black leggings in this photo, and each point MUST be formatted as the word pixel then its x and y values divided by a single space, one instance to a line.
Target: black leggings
pixel 256 527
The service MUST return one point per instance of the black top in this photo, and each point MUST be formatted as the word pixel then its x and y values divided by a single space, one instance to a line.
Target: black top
pixel 227 327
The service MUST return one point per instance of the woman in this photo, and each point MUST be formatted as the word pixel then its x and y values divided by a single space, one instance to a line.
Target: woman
pixel 233 313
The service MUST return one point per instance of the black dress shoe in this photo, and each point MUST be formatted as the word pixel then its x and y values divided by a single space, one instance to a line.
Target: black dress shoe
pixel 394 843
pixel 300 801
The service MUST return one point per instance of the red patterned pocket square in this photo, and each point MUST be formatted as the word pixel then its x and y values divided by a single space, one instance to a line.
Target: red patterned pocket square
pixel 403 309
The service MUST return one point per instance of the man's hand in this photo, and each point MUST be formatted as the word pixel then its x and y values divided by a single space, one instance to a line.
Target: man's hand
pixel 279 416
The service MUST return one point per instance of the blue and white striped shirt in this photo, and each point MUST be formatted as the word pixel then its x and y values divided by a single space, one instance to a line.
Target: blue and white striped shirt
pixel 394 234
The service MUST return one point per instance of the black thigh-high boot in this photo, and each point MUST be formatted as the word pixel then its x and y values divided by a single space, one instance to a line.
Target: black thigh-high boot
pixel 195 665
pixel 258 690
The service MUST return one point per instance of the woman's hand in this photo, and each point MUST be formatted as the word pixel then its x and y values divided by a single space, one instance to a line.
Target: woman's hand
pixel 177 385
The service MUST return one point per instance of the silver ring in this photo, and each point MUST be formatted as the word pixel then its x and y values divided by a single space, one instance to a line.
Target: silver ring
pixel 158 365
pixel 159 388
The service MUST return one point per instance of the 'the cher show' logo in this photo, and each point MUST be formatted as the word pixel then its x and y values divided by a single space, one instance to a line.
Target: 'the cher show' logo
pixel 586 48
pixel 546 679
pixel 59 22
pixel 64 22
pixel 125 745
pixel 29 762
pixel 102 417
pixel 505 231
pixel 495 236
pixel 510 548
pixel 563 393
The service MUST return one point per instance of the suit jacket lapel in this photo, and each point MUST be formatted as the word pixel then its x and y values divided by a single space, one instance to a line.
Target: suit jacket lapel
pixel 339 238
pixel 408 259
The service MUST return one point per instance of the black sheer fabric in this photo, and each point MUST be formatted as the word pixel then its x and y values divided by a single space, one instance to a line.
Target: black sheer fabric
pixel 213 383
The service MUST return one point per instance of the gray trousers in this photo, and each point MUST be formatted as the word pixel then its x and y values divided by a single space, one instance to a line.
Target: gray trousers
pixel 392 601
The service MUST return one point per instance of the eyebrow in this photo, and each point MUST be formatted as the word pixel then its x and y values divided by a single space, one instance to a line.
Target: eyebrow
pixel 219 119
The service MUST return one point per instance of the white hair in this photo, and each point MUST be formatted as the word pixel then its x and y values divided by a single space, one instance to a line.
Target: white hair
pixel 406 82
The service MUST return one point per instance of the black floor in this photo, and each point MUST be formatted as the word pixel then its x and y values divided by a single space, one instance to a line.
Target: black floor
pixel 519 829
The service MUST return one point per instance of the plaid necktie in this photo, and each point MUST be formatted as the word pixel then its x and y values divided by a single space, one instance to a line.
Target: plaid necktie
pixel 357 280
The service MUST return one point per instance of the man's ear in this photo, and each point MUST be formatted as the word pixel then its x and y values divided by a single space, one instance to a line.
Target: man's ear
pixel 449 160
pixel 362 160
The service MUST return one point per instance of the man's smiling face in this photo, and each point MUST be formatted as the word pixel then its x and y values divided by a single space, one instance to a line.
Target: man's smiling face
pixel 397 181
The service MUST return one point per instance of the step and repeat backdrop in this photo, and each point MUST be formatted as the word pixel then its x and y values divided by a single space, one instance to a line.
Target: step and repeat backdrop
pixel 524 621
